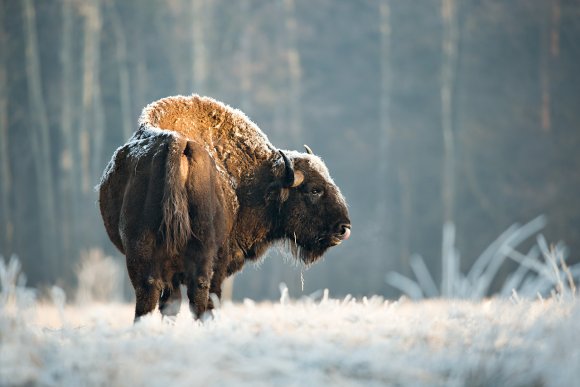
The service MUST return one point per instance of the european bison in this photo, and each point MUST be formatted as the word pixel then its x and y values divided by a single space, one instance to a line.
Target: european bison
pixel 198 190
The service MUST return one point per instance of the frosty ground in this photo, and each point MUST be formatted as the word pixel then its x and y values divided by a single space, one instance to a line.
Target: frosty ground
pixel 320 341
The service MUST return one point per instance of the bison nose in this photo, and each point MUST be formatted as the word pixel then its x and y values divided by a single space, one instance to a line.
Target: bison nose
pixel 344 231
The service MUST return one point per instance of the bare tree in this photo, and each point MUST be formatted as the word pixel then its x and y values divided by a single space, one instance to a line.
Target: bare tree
pixel 122 69
pixel 92 117
pixel 449 43
pixel 294 71
pixel 448 68
pixel 384 200
pixel 550 49
pixel 68 153
pixel 384 110
pixel 199 12
pixel 41 142
pixel 246 58
pixel 279 123
pixel 140 66
pixel 555 29
pixel 6 225
pixel 93 25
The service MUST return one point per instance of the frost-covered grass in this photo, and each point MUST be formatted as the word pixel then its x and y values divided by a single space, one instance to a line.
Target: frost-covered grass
pixel 300 343
pixel 541 272
pixel 514 339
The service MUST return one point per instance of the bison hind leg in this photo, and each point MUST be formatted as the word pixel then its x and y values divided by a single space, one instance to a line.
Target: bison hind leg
pixel 170 300
pixel 146 294
pixel 147 288
pixel 198 294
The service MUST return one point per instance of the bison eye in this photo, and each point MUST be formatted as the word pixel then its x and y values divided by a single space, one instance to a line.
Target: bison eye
pixel 315 191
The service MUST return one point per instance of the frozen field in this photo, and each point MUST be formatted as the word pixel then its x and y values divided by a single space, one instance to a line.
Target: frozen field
pixel 298 343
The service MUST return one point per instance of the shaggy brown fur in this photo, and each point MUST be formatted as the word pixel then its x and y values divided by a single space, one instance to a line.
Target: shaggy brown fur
pixel 198 190
pixel 236 143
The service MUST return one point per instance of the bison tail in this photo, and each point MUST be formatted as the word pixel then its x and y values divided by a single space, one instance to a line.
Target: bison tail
pixel 176 225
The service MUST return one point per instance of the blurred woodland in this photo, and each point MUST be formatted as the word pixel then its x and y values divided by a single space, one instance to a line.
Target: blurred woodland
pixel 425 112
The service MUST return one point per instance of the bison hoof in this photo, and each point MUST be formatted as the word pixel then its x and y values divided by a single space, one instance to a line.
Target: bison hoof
pixel 201 314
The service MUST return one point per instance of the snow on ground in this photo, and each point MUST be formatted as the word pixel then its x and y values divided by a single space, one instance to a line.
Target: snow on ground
pixel 298 343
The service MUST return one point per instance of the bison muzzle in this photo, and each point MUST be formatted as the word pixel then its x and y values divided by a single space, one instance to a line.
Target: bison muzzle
pixel 198 190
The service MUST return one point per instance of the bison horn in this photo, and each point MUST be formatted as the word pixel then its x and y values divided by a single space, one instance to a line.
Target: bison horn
pixel 289 171
pixel 291 179
pixel 308 150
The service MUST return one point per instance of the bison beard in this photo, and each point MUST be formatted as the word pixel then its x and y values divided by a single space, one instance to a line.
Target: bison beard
pixel 198 190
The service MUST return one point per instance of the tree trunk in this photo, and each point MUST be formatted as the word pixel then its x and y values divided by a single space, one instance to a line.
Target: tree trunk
pixel 549 49
pixel 92 118
pixel 68 154
pixel 199 52
pixel 141 95
pixel 246 59
pixel 123 70
pixel 41 142
pixel 294 71
pixel 87 94
pixel 6 225
pixel 385 178
pixel 98 124
pixel 280 119
pixel 384 137
pixel 447 86
pixel 448 68
pixel 555 29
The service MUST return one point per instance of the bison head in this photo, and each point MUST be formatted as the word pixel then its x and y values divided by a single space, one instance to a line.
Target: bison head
pixel 313 214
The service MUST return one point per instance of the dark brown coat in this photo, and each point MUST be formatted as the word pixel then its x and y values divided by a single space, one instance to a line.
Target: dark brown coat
pixel 198 190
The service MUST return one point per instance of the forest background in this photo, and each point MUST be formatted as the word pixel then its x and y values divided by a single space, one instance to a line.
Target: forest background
pixel 427 113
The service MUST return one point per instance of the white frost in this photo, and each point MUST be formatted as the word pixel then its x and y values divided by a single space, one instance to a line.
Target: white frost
pixel 325 342
pixel 317 164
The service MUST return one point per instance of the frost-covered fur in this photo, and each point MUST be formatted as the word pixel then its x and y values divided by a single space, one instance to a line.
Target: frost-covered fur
pixel 313 162
pixel 199 190
pixel 236 143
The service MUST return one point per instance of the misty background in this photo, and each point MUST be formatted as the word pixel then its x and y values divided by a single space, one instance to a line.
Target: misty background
pixel 426 112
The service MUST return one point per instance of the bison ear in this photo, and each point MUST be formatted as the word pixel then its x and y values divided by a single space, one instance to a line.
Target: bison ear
pixel 298 179
pixel 292 178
